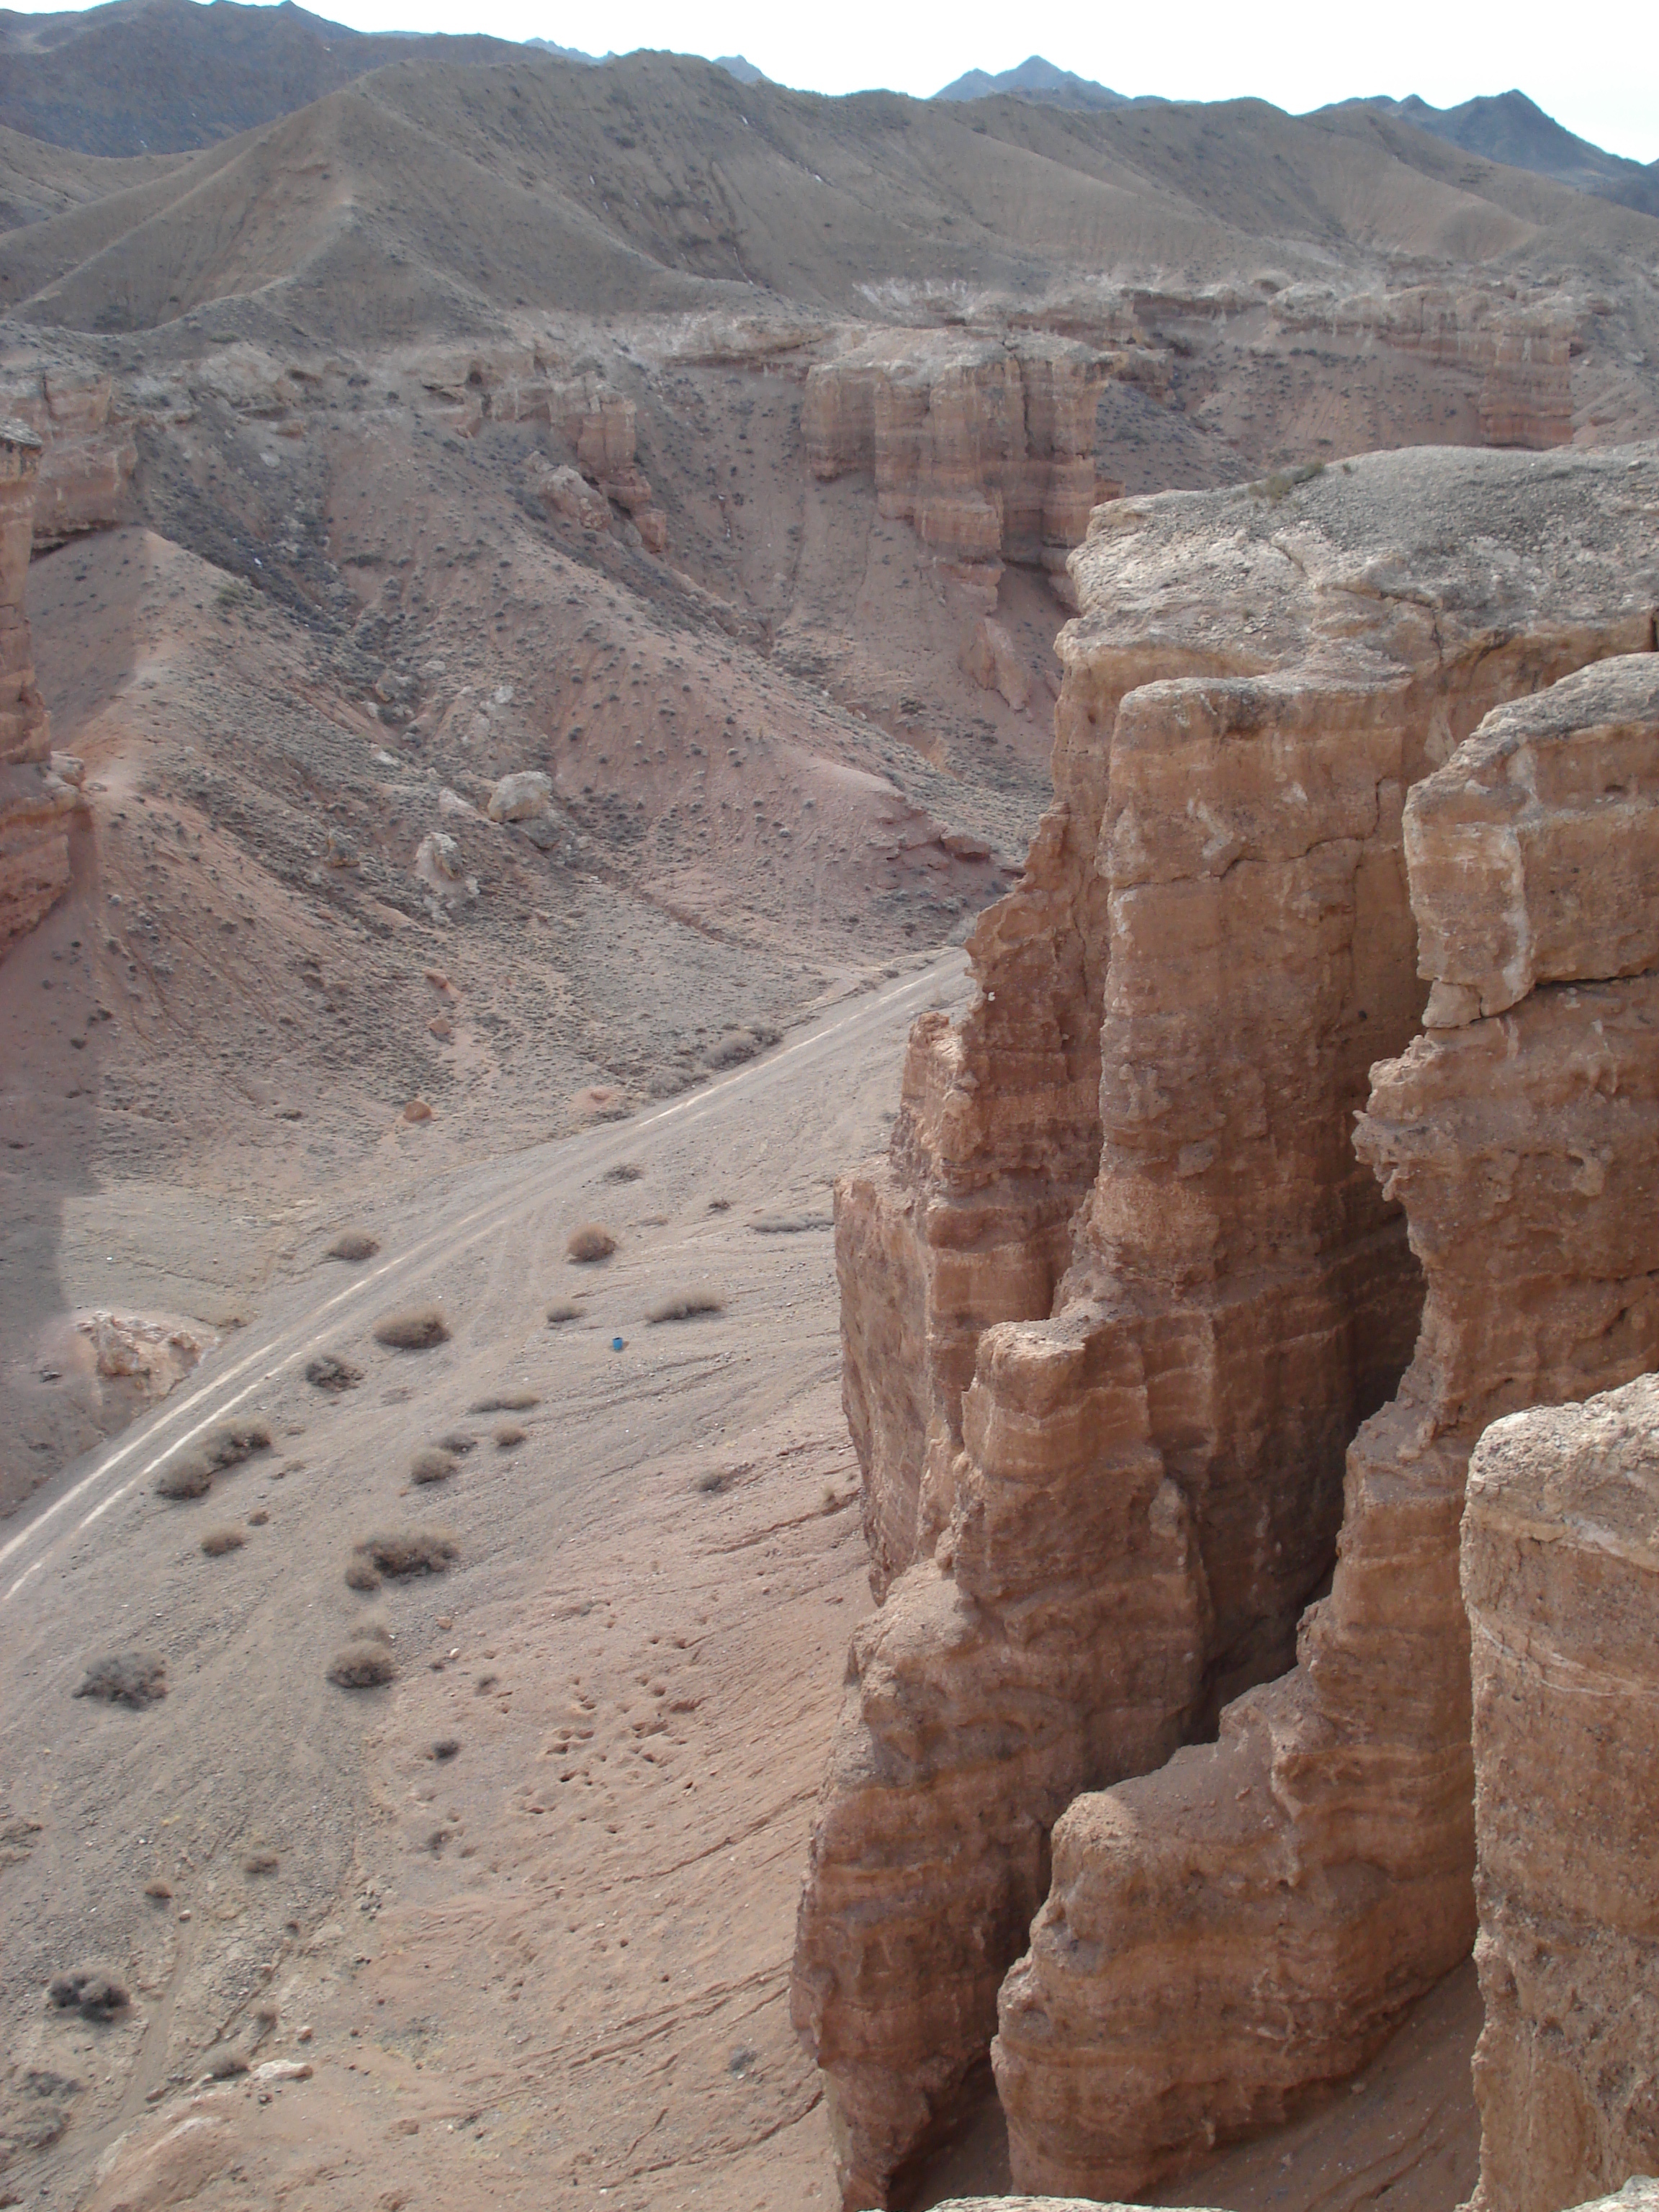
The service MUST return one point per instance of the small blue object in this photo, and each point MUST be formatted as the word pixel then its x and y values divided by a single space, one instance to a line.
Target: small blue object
pixel 615 1344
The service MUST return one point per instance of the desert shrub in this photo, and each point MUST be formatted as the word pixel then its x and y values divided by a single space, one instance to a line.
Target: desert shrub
pixel 506 1401
pixel 563 1310
pixel 361 1573
pixel 685 1304
pixel 509 1435
pixel 190 1475
pixel 714 1482
pixel 410 1551
pixel 325 1372
pixel 158 1890
pixel 232 1442
pixel 361 1664
pixel 223 2062
pixel 720 1206
pixel 128 1678
pixel 458 1442
pixel 445 1748
pixel 260 1861
pixel 89 1990
pixel 624 1172
pixel 432 1463
pixel 791 1224
pixel 218 1541
pixel 352 1244
pixel 590 1242
pixel 417 1330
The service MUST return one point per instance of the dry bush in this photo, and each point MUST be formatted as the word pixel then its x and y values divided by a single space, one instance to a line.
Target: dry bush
pixel 506 1401
pixel 127 1677
pixel 561 1311
pixel 410 1551
pixel 89 1991
pixel 686 1305
pixel 327 1373
pixel 361 1573
pixel 624 1172
pixel 458 1442
pixel 791 1224
pixel 260 1861
pixel 352 1244
pixel 362 1664
pixel 509 1435
pixel 417 1330
pixel 590 1242
pixel 158 1890
pixel 445 1748
pixel 223 2062
pixel 190 1475
pixel 218 1541
pixel 720 1206
pixel 432 1463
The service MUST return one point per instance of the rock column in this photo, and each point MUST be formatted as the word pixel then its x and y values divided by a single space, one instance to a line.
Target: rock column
pixel 35 803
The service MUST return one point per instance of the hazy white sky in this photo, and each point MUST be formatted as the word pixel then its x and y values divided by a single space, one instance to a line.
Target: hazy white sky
pixel 1594 65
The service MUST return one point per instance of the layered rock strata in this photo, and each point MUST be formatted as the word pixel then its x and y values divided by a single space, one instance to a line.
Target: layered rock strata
pixel 1120 1294
pixel 35 801
pixel 985 446
pixel 1560 1565
pixel 1252 1919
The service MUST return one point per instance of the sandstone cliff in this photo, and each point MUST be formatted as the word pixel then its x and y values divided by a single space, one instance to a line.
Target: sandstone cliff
pixel 1120 1296
pixel 984 444
pixel 1561 1578
pixel 35 801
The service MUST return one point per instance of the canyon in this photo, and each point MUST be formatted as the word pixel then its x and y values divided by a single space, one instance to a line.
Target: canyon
pixel 550 614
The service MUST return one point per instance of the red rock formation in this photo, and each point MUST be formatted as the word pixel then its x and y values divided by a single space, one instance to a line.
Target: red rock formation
pixel 985 446
pixel 1561 1578
pixel 1095 1527
pixel 1254 1918
pixel 88 457
pixel 35 802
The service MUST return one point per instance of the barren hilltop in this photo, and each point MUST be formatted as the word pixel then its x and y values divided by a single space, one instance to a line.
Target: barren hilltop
pixel 551 613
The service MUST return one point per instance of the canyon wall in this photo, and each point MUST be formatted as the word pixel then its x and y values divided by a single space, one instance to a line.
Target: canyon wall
pixel 1252 1919
pixel 984 444
pixel 1561 1579
pixel 1120 1293
pixel 35 801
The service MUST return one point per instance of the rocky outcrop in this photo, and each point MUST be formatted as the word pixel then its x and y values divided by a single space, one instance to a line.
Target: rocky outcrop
pixel 1121 1294
pixel 1561 1579
pixel 985 445
pixel 1221 1935
pixel 35 800
pixel 88 454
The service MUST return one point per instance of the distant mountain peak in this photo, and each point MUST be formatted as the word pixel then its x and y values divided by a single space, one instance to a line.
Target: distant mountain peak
pixel 1035 79
pixel 746 72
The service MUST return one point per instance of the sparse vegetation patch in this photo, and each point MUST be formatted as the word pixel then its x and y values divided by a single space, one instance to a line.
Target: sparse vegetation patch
pixel 590 1242
pixel 561 1311
pixel 417 1330
pixel 218 1541
pixel 328 1373
pixel 509 1435
pixel 352 1244
pixel 685 1304
pixel 432 1463
pixel 506 1401
pixel 126 1678
pixel 409 1552
pixel 624 1172
pixel 89 1990
pixel 363 1663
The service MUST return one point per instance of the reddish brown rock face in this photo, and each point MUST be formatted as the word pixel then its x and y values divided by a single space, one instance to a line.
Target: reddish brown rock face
pixel 1114 1306
pixel 986 446
pixel 34 803
pixel 1561 1578
pixel 1295 1885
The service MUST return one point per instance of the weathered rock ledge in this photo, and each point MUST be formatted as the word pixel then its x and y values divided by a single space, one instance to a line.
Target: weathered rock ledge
pixel 1120 1295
